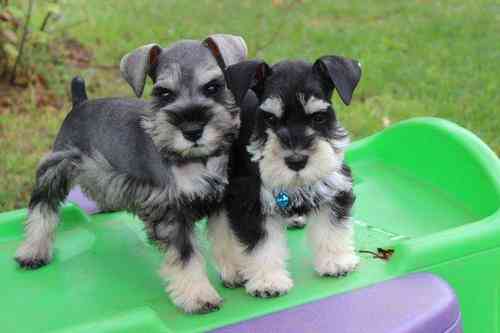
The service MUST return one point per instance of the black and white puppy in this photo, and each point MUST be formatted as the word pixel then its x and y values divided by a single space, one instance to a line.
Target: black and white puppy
pixel 288 162
pixel 164 160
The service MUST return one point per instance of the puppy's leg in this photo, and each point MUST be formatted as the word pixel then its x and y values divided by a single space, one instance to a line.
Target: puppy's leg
pixel 184 269
pixel 264 265
pixel 52 185
pixel 332 242
pixel 227 251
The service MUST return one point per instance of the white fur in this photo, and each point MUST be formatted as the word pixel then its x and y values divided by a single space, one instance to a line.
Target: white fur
pixel 296 221
pixel 226 249
pixel 323 160
pixel 326 189
pixel 332 243
pixel 188 284
pixel 264 267
pixel 191 178
pixel 273 105
pixel 313 104
pixel 40 228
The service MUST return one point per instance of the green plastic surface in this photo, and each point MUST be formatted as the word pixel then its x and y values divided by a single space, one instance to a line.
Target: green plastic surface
pixel 426 188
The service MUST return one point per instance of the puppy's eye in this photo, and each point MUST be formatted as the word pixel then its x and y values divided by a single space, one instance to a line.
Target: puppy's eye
pixel 270 119
pixel 211 88
pixel 319 118
pixel 165 94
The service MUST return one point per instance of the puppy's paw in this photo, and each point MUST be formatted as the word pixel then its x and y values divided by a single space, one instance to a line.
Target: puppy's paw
pixel 198 299
pixel 272 284
pixel 31 256
pixel 337 265
pixel 234 281
pixel 296 222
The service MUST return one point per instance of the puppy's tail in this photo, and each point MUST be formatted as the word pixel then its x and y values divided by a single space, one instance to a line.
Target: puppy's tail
pixel 78 92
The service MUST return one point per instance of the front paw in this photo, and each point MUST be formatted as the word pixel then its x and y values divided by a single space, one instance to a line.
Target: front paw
pixel 33 256
pixel 197 299
pixel 337 265
pixel 296 222
pixel 235 281
pixel 272 284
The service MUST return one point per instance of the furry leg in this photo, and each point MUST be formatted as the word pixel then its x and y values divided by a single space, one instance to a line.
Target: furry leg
pixel 264 266
pixel 52 187
pixel 188 284
pixel 227 251
pixel 332 242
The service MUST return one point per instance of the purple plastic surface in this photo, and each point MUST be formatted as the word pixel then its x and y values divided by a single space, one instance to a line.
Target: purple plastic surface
pixel 78 197
pixel 417 303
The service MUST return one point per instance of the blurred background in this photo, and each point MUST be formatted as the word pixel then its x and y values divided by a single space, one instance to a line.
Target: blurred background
pixel 419 57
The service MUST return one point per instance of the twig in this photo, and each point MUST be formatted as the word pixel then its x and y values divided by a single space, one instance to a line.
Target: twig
pixel 23 41
pixel 45 21
pixel 384 254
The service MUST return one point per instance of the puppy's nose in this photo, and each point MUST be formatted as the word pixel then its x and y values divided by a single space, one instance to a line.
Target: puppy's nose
pixel 296 162
pixel 193 134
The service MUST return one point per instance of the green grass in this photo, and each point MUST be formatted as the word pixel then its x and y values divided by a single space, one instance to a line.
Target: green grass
pixel 420 58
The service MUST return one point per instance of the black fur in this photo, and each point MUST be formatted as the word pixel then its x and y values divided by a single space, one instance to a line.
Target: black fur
pixel 78 92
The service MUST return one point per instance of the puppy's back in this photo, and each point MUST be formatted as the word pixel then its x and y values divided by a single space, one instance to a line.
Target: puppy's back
pixel 112 127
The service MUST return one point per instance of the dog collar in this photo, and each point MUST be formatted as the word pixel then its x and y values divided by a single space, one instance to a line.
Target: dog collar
pixel 282 199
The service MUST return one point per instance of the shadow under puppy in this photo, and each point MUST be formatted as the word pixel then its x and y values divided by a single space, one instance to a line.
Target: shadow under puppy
pixel 164 160
pixel 287 162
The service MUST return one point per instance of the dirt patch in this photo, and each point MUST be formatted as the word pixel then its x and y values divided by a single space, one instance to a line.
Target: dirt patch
pixel 76 54
pixel 32 88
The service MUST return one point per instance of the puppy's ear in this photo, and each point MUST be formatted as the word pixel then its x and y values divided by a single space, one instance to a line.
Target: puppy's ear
pixel 227 49
pixel 135 65
pixel 246 75
pixel 340 73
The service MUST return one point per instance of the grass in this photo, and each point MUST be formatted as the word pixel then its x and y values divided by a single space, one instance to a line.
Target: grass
pixel 420 58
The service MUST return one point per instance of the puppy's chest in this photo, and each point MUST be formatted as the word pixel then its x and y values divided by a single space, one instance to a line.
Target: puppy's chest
pixel 303 200
pixel 200 180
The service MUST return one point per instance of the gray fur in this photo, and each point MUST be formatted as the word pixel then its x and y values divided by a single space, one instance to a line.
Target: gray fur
pixel 135 66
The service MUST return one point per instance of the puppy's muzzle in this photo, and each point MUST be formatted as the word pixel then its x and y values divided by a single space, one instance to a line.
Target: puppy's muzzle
pixel 296 162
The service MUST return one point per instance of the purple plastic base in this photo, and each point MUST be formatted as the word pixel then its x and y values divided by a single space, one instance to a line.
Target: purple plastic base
pixel 417 303
pixel 78 197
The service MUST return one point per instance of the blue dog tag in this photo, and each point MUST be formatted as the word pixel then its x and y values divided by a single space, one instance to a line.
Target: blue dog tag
pixel 282 200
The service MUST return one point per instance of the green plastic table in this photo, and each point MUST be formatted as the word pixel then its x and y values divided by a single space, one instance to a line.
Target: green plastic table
pixel 426 188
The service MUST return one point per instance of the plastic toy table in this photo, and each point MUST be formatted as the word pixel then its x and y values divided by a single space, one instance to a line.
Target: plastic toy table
pixel 426 188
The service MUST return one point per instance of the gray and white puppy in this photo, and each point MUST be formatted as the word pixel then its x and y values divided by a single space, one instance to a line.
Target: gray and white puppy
pixel 164 160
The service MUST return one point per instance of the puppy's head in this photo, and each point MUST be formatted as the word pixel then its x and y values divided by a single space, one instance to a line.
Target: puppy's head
pixel 297 140
pixel 194 114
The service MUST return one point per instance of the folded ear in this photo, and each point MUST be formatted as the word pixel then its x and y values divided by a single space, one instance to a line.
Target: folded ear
pixel 135 65
pixel 341 73
pixel 227 49
pixel 246 75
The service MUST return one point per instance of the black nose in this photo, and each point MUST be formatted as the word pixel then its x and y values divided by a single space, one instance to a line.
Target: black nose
pixel 296 162
pixel 193 134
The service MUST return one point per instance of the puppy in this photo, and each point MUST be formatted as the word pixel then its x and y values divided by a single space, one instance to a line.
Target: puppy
pixel 287 163
pixel 165 161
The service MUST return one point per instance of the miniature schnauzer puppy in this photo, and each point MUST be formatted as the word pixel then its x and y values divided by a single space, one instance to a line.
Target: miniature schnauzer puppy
pixel 287 163
pixel 164 160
